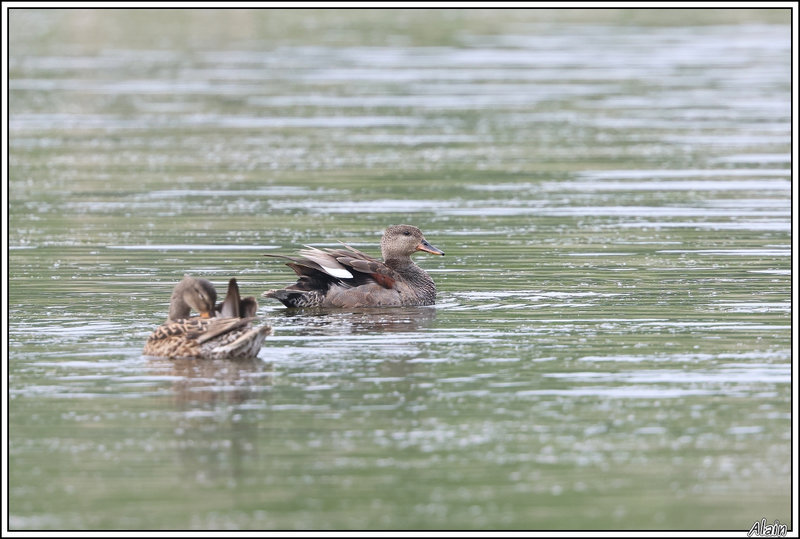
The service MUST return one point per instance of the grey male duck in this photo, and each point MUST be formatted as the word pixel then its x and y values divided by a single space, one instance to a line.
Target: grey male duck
pixel 219 331
pixel 348 278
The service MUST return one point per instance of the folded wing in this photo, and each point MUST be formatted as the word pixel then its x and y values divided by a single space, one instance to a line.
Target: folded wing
pixel 318 269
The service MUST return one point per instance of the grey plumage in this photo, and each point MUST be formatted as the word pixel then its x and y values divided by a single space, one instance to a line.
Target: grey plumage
pixel 348 278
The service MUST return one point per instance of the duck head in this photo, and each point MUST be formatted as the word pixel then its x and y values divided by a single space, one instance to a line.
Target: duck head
pixel 401 241
pixel 192 293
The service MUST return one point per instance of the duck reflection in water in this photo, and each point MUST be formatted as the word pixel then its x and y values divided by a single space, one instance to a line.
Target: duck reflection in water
pixel 360 321
pixel 215 382
pixel 214 431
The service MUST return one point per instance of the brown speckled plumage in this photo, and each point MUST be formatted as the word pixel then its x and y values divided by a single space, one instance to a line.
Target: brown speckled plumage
pixel 348 278
pixel 228 335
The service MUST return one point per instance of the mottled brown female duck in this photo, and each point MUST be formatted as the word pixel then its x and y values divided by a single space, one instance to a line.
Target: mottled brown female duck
pixel 348 278
pixel 220 331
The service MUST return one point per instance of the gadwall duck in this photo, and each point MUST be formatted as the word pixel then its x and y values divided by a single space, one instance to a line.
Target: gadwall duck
pixel 220 331
pixel 348 278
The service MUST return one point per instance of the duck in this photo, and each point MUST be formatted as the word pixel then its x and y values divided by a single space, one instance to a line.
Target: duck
pixel 347 278
pixel 218 331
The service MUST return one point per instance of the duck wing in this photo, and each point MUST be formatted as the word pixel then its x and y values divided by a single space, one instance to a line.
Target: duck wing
pixel 197 329
pixel 318 269
pixel 218 327
pixel 234 306
pixel 364 264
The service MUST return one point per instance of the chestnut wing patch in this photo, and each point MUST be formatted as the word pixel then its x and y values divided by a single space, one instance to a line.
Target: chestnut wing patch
pixel 376 270
pixel 383 280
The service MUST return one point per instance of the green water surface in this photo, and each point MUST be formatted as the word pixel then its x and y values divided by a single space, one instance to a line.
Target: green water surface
pixel 611 343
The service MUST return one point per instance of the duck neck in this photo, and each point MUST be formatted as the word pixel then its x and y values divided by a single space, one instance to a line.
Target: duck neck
pixel 178 308
pixel 418 278
pixel 401 263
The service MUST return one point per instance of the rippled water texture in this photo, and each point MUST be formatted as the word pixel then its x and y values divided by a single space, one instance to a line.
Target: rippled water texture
pixel 611 344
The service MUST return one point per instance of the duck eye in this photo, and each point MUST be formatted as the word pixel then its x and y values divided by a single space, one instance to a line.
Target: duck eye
pixel 406 233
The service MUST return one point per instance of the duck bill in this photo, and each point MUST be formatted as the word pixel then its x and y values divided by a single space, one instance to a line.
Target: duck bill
pixel 428 248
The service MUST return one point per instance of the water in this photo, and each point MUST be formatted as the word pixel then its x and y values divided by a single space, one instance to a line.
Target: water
pixel 611 343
